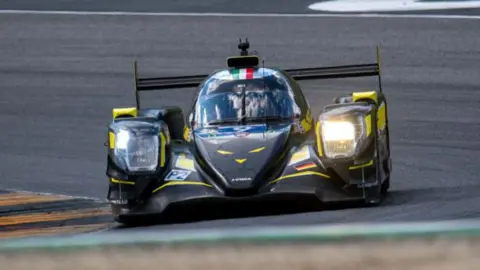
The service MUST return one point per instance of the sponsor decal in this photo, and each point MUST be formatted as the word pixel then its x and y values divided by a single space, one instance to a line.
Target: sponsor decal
pixel 177 175
pixel 185 163
pixel 391 5
pixel 299 156
pixel 241 134
pixel 223 132
pixel 241 179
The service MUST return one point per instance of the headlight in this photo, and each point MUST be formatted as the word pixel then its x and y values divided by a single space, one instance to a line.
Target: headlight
pixel 338 131
pixel 341 137
pixel 137 150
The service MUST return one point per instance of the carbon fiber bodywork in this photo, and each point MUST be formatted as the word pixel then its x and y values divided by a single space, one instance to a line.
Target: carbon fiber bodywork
pixel 243 168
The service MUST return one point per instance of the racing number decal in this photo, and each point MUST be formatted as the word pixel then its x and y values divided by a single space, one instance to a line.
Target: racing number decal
pixel 177 175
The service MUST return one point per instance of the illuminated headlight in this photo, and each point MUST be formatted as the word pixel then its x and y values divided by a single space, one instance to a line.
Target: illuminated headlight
pixel 340 138
pixel 338 131
pixel 139 152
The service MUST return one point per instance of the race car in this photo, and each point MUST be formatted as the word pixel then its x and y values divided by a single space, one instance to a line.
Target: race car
pixel 249 140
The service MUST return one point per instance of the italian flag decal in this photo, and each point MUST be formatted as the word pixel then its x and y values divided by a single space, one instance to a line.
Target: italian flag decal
pixel 242 74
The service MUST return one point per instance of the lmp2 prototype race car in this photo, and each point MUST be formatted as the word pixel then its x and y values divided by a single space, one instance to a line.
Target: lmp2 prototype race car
pixel 249 141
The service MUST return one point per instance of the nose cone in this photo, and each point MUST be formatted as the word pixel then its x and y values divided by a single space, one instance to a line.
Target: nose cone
pixel 238 155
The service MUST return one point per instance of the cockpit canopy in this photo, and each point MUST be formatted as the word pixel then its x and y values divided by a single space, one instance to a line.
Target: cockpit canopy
pixel 246 94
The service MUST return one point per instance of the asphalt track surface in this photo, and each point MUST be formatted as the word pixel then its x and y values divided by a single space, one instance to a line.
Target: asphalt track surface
pixel 221 6
pixel 60 75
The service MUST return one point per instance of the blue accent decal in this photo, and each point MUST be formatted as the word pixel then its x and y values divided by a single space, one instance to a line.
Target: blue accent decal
pixel 177 175
pixel 230 130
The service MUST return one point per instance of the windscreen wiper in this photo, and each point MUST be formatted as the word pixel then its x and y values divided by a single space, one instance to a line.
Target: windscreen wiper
pixel 224 121
pixel 271 118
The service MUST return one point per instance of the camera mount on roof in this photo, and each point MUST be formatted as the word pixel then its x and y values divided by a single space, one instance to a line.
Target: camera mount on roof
pixel 245 60
pixel 243 47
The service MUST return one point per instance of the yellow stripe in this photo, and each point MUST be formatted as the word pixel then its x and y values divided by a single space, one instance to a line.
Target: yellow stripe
pixel 224 152
pixel 162 149
pixel 299 174
pixel 111 139
pixel 242 160
pixel 174 183
pixel 186 134
pixel 257 150
pixel 52 216
pixel 319 142
pixel 368 121
pixel 381 117
pixel 118 181
pixel 370 163
pixel 12 199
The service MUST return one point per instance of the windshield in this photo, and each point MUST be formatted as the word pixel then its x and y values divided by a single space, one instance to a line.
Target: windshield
pixel 227 101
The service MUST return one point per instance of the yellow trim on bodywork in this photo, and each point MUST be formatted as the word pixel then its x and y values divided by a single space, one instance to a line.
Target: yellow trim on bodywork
pixel 319 142
pixel 111 139
pixel 368 121
pixel 370 163
pixel 222 152
pixel 306 125
pixel 260 149
pixel 241 160
pixel 124 182
pixel 186 134
pixel 306 122
pixel 299 174
pixel 381 117
pixel 181 183
pixel 162 149
pixel 372 95
pixel 132 112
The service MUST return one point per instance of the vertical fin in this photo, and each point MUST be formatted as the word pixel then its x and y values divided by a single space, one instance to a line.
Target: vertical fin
pixel 135 77
pixel 379 70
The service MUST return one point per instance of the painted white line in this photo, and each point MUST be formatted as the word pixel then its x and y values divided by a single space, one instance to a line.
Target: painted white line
pixel 390 5
pixel 262 15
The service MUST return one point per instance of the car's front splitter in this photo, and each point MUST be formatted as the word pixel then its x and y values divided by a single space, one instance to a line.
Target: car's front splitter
pixel 182 201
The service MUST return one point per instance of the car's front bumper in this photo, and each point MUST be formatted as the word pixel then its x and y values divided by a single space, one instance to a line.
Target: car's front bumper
pixel 197 200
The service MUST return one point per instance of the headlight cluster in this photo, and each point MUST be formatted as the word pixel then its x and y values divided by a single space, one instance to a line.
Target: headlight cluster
pixel 136 149
pixel 342 132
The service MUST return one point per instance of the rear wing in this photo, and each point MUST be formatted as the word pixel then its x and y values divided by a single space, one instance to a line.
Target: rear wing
pixel 316 73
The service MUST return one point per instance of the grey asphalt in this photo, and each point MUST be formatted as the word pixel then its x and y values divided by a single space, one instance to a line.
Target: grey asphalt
pixel 279 6
pixel 196 6
pixel 60 76
pixel 219 6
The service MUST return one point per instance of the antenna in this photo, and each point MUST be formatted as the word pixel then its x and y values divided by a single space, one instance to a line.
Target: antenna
pixel 243 47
